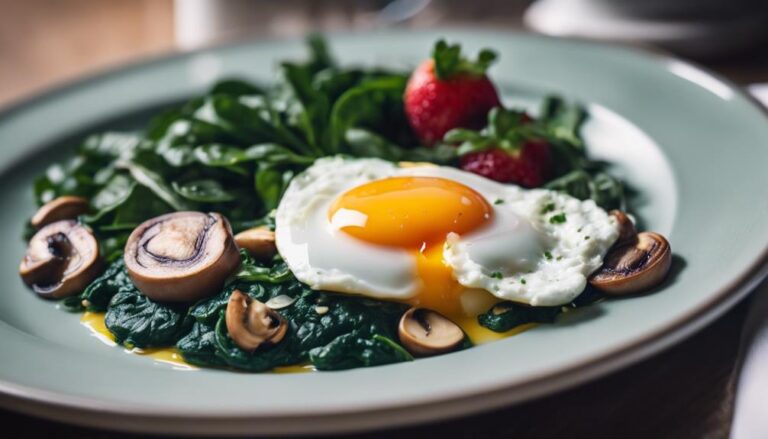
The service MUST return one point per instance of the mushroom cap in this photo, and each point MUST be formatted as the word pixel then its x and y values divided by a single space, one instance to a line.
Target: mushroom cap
pixel 181 256
pixel 252 323
pixel 635 266
pixel 627 231
pixel 425 332
pixel 61 259
pixel 61 208
pixel 258 241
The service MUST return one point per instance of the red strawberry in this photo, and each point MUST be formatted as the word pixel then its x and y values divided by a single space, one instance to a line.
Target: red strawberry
pixel 530 166
pixel 448 92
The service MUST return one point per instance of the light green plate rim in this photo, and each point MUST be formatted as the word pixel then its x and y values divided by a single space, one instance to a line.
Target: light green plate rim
pixel 712 136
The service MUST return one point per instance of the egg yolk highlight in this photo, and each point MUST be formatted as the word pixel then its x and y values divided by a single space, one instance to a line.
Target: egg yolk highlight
pixel 409 212
pixel 415 213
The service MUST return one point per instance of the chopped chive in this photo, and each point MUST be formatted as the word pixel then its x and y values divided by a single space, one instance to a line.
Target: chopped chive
pixel 496 275
pixel 548 208
pixel 548 255
pixel 522 281
pixel 586 237
pixel 498 201
pixel 557 219
pixel 559 258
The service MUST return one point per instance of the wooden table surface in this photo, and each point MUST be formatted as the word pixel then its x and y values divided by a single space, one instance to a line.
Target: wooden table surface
pixel 684 392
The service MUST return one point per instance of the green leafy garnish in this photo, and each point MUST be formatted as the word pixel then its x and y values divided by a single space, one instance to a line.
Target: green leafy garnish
pixel 557 219
pixel 559 125
pixel 507 315
pixel 449 62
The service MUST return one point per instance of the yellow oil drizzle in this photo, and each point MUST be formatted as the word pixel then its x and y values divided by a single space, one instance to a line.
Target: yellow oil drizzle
pixel 94 321
pixel 297 368
pixel 480 334
pixel 165 355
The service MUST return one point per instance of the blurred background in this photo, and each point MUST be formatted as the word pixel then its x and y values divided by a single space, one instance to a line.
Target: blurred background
pixel 49 42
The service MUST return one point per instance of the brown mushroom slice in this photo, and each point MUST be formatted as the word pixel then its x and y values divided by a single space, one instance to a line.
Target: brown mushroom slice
pixel 62 208
pixel 252 323
pixel 634 267
pixel 627 231
pixel 258 241
pixel 61 260
pixel 181 256
pixel 425 332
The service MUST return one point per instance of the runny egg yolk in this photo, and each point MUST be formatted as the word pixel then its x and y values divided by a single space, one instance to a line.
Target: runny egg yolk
pixel 415 213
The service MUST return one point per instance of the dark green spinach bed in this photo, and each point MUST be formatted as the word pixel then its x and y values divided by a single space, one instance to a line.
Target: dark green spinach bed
pixel 350 332
pixel 234 150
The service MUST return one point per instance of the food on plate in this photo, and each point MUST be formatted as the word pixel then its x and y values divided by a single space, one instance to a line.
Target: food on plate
pixel 627 231
pixel 61 260
pixel 447 91
pixel 61 208
pixel 425 235
pixel 425 332
pixel 252 323
pixel 338 218
pixel 634 266
pixel 181 256
pixel 259 242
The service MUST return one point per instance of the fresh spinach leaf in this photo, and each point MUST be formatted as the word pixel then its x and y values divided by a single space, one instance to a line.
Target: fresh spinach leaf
pixel 198 346
pixel 236 87
pixel 137 321
pixel 115 279
pixel 203 191
pixel 224 156
pixel 353 330
pixel 155 183
pixel 351 350
pixel 375 105
pixel 114 193
pixel 507 315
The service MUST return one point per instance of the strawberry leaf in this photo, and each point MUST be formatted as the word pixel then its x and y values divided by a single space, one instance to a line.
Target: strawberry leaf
pixel 563 120
pixel 450 63
pixel 506 129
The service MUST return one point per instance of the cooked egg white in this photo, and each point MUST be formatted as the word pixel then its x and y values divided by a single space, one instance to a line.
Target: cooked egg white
pixel 437 237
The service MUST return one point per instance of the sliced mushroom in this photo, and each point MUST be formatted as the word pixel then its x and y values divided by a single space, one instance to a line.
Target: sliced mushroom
pixel 252 323
pixel 61 260
pixel 281 301
pixel 62 208
pixel 426 332
pixel 182 256
pixel 627 232
pixel 635 266
pixel 258 241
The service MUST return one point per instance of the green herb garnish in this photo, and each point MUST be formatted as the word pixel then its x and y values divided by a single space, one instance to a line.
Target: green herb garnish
pixel 557 219
pixel 548 208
